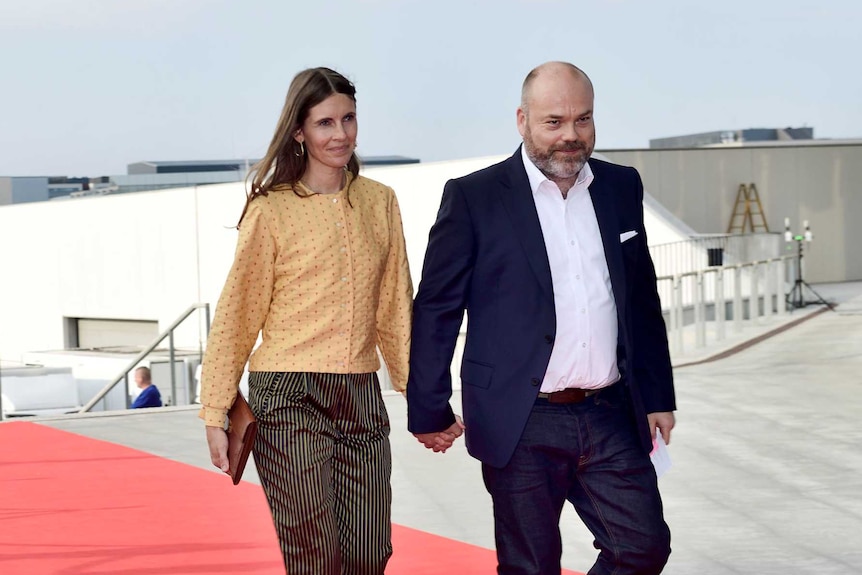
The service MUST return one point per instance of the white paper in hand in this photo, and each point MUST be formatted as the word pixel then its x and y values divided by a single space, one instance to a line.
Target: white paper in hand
pixel 659 455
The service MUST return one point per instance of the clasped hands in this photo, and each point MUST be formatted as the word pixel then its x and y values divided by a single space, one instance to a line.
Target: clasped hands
pixel 440 441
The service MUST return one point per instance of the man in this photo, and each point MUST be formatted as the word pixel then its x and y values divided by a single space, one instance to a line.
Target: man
pixel 149 396
pixel 566 372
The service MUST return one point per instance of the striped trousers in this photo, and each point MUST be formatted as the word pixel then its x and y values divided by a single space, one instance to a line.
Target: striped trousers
pixel 323 457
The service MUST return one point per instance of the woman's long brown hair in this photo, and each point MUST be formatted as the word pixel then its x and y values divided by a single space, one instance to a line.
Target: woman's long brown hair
pixel 284 162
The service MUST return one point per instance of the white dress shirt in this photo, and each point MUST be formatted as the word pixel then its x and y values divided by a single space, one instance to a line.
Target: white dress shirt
pixel 585 347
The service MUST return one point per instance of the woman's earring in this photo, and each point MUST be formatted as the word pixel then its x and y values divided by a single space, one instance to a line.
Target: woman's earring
pixel 301 150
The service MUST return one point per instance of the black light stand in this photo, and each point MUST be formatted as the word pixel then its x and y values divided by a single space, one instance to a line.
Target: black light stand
pixel 796 296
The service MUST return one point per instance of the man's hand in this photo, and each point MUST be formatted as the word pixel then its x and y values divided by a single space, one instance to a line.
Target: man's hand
pixel 440 441
pixel 664 421
pixel 217 440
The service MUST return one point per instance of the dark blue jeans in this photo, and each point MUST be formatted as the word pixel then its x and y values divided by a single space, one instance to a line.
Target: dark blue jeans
pixel 588 454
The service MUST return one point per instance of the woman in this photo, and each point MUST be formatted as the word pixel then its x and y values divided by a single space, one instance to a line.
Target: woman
pixel 321 269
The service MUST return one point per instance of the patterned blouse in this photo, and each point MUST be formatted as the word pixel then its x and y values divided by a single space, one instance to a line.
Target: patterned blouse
pixel 326 281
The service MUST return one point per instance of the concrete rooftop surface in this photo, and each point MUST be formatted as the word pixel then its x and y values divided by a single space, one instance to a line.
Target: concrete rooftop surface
pixel 767 463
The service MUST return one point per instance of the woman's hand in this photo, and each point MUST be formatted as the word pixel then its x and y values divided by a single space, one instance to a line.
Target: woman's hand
pixel 217 440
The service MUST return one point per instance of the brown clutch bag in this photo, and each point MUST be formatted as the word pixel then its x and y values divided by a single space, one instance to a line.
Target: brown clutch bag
pixel 242 429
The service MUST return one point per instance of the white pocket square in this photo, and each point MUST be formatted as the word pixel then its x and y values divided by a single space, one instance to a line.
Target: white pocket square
pixel 626 236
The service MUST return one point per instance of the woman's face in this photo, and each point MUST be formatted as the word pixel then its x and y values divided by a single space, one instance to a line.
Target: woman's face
pixel 329 132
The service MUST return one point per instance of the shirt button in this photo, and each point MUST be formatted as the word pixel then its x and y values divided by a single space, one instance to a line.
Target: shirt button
pixel 337 224
pixel 577 277
pixel 342 249
pixel 583 345
pixel 583 310
pixel 334 200
pixel 535 381
pixel 344 305
pixel 344 279
pixel 340 334
pixel 573 243
pixel 549 339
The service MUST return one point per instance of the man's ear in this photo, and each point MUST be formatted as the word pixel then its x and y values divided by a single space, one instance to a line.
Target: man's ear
pixel 522 121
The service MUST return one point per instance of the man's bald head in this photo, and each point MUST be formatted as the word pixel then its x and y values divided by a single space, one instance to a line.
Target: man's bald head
pixel 551 71
pixel 555 120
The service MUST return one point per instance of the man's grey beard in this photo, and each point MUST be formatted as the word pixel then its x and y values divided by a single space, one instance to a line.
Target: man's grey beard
pixel 552 168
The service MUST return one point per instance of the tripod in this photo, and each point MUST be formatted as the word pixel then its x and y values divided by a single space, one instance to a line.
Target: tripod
pixel 796 296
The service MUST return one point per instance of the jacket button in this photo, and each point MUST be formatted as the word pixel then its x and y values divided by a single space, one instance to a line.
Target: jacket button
pixel 549 339
pixel 535 381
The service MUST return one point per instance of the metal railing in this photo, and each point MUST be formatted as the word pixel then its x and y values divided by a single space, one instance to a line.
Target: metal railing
pixel 169 334
pixel 713 250
pixel 688 298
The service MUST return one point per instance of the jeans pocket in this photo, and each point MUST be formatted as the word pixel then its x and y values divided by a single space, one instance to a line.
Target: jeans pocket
pixel 614 397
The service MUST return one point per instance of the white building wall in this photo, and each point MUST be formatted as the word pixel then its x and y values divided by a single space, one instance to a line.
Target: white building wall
pixel 115 257
pixel 150 255
pixel 30 288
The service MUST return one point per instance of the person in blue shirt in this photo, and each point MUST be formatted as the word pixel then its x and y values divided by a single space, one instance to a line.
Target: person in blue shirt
pixel 149 396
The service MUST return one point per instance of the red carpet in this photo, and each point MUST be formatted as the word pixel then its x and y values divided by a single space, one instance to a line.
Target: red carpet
pixel 71 505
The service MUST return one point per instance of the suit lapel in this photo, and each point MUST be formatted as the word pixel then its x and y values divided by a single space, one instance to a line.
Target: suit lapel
pixel 602 195
pixel 517 197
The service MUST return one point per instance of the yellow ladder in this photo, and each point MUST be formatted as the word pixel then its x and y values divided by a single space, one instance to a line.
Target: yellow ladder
pixel 747 211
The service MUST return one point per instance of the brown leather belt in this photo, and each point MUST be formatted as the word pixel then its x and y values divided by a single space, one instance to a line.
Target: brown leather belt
pixel 569 395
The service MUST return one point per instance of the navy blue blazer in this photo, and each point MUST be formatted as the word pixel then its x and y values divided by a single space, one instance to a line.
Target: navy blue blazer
pixel 486 255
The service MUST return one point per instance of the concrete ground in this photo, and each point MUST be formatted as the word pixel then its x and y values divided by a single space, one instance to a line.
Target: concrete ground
pixel 767 465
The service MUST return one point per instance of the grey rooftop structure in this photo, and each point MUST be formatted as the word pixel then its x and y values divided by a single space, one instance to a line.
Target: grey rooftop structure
pixel 145 176
pixel 725 137
pixel 193 166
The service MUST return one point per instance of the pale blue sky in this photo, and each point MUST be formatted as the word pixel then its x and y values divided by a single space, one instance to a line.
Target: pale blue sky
pixel 89 86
